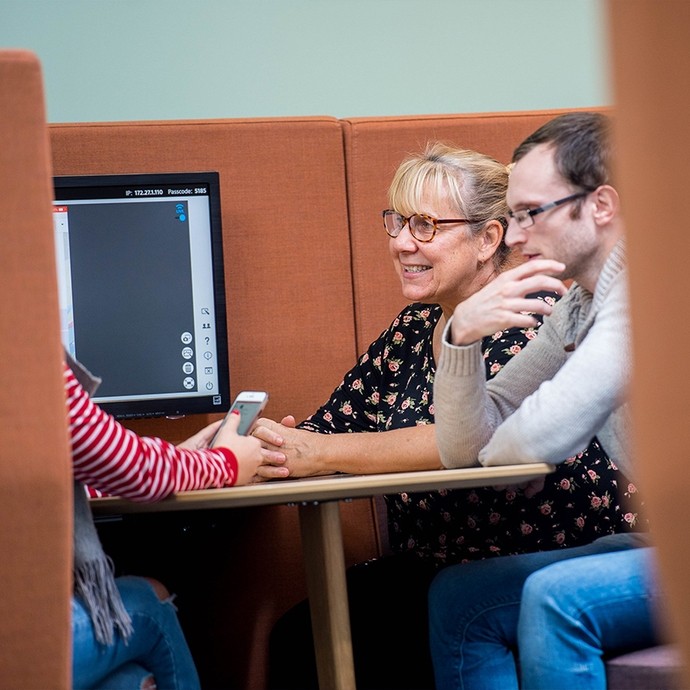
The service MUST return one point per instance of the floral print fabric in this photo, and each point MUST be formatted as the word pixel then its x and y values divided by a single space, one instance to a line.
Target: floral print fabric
pixel 391 387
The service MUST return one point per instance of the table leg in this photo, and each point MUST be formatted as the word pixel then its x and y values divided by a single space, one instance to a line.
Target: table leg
pixel 322 543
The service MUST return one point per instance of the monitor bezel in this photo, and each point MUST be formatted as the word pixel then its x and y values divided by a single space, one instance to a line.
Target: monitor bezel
pixel 184 405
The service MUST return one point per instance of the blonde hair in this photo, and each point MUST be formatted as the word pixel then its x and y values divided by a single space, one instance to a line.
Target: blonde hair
pixel 474 183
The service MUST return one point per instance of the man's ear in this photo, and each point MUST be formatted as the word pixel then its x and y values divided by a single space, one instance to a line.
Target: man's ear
pixel 490 240
pixel 606 204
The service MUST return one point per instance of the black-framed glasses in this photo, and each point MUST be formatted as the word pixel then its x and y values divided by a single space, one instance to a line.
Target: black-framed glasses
pixel 525 217
pixel 422 226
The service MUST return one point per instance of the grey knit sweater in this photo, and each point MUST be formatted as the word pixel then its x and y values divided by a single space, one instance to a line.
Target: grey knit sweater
pixel 568 385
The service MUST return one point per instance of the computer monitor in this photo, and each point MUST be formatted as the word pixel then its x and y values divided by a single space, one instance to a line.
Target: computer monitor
pixel 141 289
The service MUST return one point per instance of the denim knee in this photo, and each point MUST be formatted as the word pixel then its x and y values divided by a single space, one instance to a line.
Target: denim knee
pixel 138 589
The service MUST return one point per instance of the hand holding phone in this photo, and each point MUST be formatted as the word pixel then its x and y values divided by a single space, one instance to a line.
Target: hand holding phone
pixel 249 404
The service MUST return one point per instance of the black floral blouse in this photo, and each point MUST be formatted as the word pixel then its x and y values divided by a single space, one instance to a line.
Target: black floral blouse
pixel 391 387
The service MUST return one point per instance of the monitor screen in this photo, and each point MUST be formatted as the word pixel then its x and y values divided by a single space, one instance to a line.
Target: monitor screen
pixel 141 289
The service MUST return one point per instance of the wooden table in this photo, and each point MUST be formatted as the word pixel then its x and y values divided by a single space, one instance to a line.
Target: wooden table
pixel 322 541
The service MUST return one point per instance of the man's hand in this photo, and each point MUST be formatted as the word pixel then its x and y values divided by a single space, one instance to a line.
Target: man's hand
pixel 503 303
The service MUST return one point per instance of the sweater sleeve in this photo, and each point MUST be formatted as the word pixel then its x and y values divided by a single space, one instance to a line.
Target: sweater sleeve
pixel 110 458
pixel 468 409
pixel 544 405
pixel 573 402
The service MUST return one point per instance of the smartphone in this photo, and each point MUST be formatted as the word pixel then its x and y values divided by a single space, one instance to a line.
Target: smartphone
pixel 249 404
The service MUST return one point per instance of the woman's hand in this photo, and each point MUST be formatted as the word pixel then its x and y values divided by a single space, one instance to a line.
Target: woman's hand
pixel 247 449
pixel 503 303
pixel 288 451
pixel 202 438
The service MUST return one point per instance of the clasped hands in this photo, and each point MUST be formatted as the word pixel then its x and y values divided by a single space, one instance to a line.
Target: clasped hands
pixel 287 451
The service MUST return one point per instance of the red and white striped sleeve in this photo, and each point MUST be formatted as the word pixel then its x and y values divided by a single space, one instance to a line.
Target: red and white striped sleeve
pixel 110 458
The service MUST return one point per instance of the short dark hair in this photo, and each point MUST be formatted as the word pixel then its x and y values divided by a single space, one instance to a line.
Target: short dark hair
pixel 582 148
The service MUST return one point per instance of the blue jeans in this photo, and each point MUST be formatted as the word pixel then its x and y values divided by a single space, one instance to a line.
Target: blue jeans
pixel 572 613
pixel 156 648
pixel 474 609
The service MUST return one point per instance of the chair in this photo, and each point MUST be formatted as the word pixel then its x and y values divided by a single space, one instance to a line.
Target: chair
pixel 656 668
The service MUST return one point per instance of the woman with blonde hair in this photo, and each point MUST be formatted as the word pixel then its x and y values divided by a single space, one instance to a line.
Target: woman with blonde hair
pixel 446 223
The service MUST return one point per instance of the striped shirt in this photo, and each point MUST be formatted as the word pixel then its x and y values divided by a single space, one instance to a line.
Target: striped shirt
pixel 115 460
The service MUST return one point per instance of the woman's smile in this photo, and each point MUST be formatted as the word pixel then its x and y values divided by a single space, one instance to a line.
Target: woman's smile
pixel 415 268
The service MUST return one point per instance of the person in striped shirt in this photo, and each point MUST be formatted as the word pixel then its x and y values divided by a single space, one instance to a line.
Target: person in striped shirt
pixel 108 457
pixel 125 632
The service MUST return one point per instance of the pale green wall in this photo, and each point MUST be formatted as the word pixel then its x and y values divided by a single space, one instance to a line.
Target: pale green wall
pixel 165 59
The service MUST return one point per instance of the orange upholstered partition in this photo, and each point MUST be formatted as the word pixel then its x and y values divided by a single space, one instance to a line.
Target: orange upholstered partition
pixel 35 472
pixel 287 261
pixel 309 285
pixel 651 69
pixel 374 147
pixel 290 331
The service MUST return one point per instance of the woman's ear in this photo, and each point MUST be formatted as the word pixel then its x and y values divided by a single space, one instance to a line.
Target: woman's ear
pixel 489 240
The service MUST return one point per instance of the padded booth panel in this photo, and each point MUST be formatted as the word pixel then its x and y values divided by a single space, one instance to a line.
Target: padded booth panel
pixel 651 68
pixel 35 466
pixel 287 260
pixel 290 332
pixel 374 148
